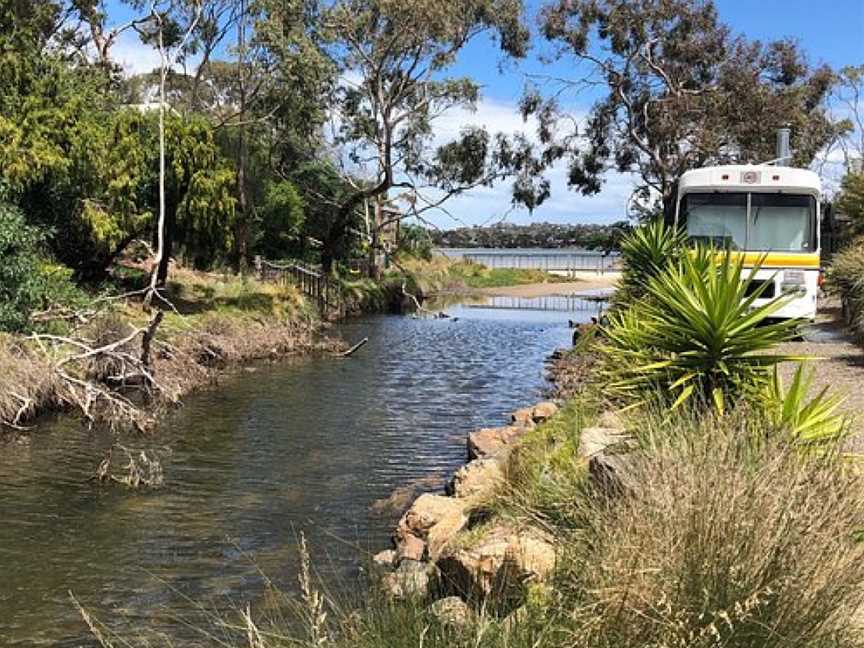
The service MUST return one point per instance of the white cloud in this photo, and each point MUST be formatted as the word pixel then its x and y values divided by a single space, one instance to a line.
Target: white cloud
pixel 134 56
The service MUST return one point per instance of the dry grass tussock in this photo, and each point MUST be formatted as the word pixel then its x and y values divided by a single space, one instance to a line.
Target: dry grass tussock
pixel 26 381
pixel 720 541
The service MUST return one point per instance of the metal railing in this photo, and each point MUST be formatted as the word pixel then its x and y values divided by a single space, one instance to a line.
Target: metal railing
pixel 551 261
pixel 311 281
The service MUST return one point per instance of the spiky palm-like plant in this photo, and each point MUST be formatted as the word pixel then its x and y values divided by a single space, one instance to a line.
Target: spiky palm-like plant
pixel 812 422
pixel 646 251
pixel 697 333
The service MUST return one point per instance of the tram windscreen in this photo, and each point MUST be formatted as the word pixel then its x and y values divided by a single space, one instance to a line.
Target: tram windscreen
pixel 716 219
pixel 782 222
pixel 775 222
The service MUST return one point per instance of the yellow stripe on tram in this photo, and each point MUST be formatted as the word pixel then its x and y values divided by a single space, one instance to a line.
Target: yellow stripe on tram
pixel 779 259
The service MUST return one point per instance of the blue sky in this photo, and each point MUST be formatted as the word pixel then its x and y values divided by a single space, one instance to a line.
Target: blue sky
pixel 831 31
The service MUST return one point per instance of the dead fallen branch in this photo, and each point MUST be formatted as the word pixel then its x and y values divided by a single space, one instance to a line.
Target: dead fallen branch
pixel 349 352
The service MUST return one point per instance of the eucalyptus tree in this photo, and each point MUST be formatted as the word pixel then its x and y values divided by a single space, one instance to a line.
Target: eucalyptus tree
pixel 396 59
pixel 677 90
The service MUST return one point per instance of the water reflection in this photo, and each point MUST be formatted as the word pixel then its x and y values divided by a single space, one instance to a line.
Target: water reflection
pixel 307 446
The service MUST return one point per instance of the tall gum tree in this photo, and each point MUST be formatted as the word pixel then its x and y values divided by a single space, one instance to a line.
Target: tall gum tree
pixel 677 91
pixel 394 57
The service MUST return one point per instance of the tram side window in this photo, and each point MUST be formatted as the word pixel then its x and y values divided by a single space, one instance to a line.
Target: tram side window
pixel 782 222
pixel 716 219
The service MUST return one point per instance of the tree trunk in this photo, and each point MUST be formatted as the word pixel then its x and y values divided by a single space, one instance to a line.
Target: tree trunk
pixel 670 201
pixel 167 247
pixel 241 229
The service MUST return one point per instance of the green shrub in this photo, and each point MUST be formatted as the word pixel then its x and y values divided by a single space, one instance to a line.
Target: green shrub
pixel 696 334
pixel 846 277
pixel 22 284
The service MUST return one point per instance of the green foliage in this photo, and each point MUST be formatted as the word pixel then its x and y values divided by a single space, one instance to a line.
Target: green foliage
pixel 646 252
pixel 280 220
pixel 697 334
pixel 809 421
pixel 851 200
pixel 678 82
pixel 414 240
pixel 475 275
pixel 27 281
pixel 720 541
pixel 20 286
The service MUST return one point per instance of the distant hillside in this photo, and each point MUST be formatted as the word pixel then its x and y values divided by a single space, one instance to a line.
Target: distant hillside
pixel 539 235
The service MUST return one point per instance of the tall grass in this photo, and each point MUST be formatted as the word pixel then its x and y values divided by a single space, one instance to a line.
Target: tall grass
pixel 846 276
pixel 721 541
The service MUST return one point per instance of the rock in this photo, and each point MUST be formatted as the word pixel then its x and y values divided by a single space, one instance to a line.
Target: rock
pixel 543 411
pixel 523 417
pixel 607 452
pixel 433 518
pixel 610 419
pixel 443 533
pixel 478 479
pixel 411 579
pixel 452 612
pixel 498 568
pixel 488 442
pixel 385 559
pixel 410 547
pixel 596 440
pixel 427 510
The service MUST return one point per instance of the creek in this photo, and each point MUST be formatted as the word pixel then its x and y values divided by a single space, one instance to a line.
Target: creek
pixel 315 445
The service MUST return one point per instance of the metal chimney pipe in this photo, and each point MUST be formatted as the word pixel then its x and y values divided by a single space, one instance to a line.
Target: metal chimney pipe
pixel 784 152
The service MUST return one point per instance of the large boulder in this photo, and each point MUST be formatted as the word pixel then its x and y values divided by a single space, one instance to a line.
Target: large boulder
pixel 543 411
pixel 477 479
pixel 433 520
pixel 427 511
pixel 489 442
pixel 607 451
pixel 409 547
pixel 523 417
pixel 497 569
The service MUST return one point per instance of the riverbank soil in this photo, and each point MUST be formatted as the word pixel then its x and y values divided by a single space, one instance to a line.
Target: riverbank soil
pixel 582 283
pixel 210 324
pixel 840 366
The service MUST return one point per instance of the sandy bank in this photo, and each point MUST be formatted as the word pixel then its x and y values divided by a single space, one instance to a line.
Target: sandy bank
pixel 586 282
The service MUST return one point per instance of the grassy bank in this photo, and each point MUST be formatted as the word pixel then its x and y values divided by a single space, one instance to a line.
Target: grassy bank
pixel 211 323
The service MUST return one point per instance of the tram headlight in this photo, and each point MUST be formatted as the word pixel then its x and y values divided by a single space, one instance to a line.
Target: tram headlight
pixel 793 281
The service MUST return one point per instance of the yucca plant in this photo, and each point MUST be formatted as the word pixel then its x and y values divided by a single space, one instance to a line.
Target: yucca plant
pixel 645 252
pixel 697 333
pixel 811 422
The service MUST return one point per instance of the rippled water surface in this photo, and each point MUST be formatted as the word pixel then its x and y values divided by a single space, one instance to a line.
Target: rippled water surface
pixel 307 446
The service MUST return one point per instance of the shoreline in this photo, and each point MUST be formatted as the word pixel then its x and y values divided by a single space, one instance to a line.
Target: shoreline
pixel 590 283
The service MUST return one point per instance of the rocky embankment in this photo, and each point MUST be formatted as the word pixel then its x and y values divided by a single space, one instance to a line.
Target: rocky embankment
pixel 450 551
